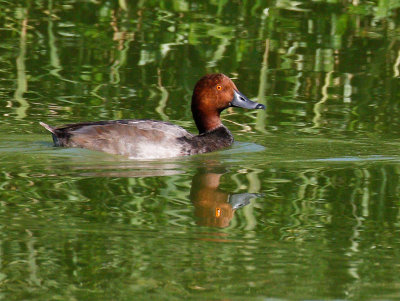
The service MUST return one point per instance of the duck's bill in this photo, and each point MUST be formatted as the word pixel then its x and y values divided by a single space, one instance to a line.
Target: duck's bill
pixel 241 101
pixel 239 200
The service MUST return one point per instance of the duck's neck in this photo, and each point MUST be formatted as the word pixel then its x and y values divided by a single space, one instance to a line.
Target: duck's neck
pixel 210 141
pixel 217 138
pixel 206 121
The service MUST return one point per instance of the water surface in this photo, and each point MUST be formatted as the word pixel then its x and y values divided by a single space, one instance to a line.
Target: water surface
pixel 305 205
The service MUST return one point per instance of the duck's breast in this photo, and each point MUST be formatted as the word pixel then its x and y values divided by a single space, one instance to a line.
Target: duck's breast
pixel 138 139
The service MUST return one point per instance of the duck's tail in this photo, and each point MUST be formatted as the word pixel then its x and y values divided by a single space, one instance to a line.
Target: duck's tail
pixel 52 130
pixel 47 127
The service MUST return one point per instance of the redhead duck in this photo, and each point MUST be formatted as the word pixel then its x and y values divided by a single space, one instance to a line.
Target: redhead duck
pixel 150 139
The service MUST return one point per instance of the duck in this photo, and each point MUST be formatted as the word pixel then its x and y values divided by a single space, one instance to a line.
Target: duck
pixel 153 139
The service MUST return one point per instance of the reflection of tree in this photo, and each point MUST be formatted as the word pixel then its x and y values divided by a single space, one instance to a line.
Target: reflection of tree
pixel 325 63
pixel 81 228
pixel 328 70
pixel 22 82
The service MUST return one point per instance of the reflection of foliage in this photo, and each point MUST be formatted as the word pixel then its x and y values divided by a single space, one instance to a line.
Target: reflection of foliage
pixel 131 222
pixel 339 61
pixel 326 62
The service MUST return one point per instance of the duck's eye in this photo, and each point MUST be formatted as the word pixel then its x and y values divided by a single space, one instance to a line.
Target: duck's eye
pixel 219 88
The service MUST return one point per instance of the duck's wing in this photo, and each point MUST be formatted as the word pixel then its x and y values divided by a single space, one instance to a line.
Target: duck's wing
pixel 139 139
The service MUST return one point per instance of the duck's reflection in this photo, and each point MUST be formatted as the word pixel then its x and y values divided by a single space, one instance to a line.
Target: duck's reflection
pixel 213 206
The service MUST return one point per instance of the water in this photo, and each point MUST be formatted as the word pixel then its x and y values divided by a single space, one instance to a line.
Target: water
pixel 303 206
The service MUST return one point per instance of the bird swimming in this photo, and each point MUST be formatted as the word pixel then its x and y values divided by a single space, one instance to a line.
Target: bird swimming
pixel 152 139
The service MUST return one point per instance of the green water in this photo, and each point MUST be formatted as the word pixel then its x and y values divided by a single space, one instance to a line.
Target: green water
pixel 305 205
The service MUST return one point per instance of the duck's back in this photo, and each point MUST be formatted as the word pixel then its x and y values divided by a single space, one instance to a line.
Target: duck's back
pixel 139 139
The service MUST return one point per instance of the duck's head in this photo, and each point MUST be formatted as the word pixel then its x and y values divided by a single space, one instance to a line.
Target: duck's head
pixel 212 94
